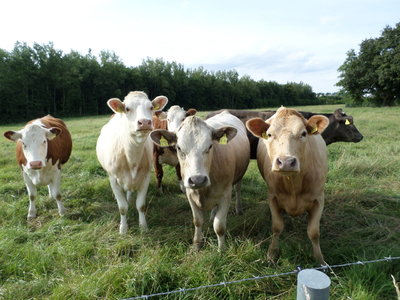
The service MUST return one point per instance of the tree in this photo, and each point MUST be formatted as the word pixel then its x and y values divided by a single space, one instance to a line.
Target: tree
pixel 373 74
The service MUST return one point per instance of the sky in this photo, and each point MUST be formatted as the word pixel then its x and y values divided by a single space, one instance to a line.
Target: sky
pixel 283 41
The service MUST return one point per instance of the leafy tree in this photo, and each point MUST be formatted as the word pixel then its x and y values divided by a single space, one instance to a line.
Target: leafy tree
pixel 372 76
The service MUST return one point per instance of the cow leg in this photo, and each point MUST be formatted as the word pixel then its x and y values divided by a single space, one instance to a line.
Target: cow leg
pixel 32 192
pixel 220 222
pixel 122 204
pixel 141 202
pixel 239 208
pixel 158 168
pixel 198 221
pixel 54 192
pixel 277 228
pixel 129 196
pixel 179 175
pixel 314 217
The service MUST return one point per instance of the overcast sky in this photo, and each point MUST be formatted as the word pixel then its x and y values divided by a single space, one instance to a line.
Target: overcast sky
pixel 283 41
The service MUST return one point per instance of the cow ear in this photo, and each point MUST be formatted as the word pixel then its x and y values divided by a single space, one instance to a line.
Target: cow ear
pixel 191 112
pixel 257 127
pixel 163 138
pixel 53 132
pixel 116 105
pixel 317 124
pixel 339 114
pixel 224 135
pixel 159 103
pixel 13 135
pixel 162 115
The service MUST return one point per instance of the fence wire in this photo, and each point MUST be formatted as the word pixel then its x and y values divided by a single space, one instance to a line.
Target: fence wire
pixel 298 269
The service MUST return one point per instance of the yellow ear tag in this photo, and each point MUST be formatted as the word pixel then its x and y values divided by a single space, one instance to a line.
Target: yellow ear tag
pixel 264 135
pixel 223 140
pixel 315 129
pixel 163 142
pixel 347 122
pixel 156 107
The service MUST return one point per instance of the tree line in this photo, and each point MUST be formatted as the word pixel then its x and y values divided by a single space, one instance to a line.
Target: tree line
pixel 38 80
pixel 371 76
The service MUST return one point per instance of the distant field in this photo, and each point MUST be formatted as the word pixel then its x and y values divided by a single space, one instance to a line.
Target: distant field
pixel 82 256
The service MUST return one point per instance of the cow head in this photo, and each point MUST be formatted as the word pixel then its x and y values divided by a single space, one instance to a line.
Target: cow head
pixel 34 143
pixel 176 115
pixel 138 110
pixel 341 129
pixel 194 141
pixel 285 135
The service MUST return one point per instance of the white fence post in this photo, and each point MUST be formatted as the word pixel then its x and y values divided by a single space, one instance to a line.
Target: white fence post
pixel 312 285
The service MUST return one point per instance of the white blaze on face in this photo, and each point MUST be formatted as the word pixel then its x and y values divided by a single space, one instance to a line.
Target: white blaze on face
pixel 194 148
pixel 175 116
pixel 34 140
pixel 138 111
pixel 286 138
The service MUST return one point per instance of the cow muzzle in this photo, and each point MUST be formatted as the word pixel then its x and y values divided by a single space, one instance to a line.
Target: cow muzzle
pixel 35 164
pixel 144 124
pixel 286 164
pixel 198 181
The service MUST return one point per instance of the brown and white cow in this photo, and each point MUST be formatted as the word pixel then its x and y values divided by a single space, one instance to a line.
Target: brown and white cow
pixel 167 155
pixel 292 159
pixel 124 150
pixel 209 167
pixel 43 146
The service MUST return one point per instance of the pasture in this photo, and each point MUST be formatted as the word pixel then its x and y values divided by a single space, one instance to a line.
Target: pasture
pixel 82 255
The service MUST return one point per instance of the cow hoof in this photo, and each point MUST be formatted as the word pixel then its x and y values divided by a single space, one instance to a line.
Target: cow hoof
pixel 30 217
pixel 272 255
pixel 239 212
pixel 123 229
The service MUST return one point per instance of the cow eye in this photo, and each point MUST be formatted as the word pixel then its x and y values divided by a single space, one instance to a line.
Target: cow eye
pixel 209 148
pixel 269 135
pixel 304 134
pixel 128 109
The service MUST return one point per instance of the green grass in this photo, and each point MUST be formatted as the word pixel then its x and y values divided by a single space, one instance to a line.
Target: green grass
pixel 82 256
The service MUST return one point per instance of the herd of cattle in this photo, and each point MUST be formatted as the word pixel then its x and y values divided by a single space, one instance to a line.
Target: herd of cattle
pixel 211 156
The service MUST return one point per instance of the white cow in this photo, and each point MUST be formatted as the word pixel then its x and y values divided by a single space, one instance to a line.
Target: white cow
pixel 125 152
pixel 209 168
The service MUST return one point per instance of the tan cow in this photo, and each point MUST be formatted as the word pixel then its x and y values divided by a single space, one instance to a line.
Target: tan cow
pixel 43 146
pixel 167 155
pixel 209 167
pixel 292 159
pixel 124 150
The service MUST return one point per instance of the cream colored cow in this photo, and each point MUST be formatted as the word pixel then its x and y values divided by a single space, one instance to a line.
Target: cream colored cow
pixel 214 155
pixel 125 152
pixel 292 159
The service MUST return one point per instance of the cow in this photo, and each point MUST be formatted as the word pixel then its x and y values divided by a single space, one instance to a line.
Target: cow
pixel 292 159
pixel 124 151
pixel 209 167
pixel 43 146
pixel 167 155
pixel 341 127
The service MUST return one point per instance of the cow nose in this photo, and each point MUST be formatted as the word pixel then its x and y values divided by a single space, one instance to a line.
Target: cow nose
pixel 197 181
pixel 287 163
pixel 144 124
pixel 36 164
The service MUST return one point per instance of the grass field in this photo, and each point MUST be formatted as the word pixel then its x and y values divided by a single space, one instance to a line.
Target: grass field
pixel 82 256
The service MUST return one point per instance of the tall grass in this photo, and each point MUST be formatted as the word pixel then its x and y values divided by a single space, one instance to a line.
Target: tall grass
pixel 82 256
